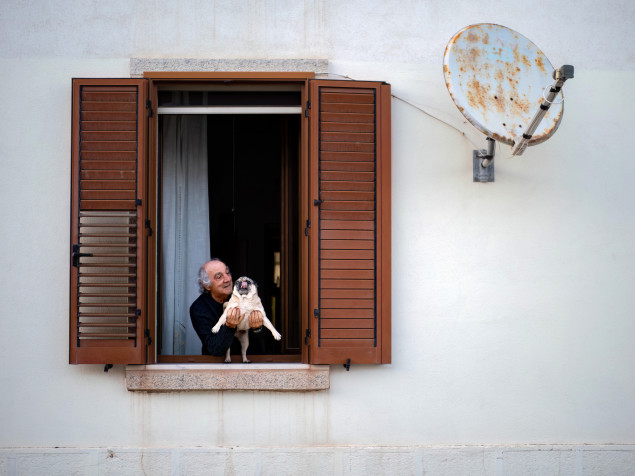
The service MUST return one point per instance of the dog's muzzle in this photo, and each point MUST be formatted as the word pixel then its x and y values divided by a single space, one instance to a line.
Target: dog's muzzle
pixel 243 287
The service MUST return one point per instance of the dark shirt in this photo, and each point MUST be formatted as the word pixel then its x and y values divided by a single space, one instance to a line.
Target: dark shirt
pixel 205 312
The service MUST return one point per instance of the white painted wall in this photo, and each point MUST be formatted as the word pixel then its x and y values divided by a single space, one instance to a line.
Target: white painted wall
pixel 513 302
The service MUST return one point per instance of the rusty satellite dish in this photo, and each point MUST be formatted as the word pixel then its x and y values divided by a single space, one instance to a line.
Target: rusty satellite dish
pixel 505 86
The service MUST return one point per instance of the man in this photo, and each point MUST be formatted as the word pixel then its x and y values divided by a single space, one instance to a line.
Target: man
pixel 216 286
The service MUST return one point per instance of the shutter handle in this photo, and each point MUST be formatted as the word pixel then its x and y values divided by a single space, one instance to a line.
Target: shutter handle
pixel 317 202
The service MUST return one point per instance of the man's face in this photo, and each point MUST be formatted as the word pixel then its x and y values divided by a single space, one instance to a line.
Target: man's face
pixel 221 278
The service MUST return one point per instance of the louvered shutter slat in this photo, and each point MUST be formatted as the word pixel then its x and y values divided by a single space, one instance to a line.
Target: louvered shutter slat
pixel 103 165
pixel 107 231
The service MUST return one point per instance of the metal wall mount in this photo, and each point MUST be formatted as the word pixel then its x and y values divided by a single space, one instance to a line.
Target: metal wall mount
pixel 482 174
pixel 483 163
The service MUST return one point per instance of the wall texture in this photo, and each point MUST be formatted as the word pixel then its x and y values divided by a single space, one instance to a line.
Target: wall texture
pixel 512 302
pixel 338 460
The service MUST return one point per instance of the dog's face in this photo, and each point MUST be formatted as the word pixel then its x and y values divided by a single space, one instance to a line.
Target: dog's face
pixel 245 287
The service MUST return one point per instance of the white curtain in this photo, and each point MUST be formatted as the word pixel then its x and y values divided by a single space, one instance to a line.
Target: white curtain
pixel 185 234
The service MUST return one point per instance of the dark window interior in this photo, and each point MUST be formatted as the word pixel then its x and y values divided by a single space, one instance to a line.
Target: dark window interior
pixel 251 164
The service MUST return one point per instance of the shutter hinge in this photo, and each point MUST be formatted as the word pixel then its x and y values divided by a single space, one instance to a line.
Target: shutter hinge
pixel 347 365
pixel 146 333
pixel 307 336
pixel 138 202
pixel 317 202
pixel 306 228
pixel 306 111
pixel 137 313
pixel 149 227
pixel 107 367
pixel 77 255
pixel 149 107
pixel 316 313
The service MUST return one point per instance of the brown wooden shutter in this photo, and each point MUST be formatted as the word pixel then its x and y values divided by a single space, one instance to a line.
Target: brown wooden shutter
pixel 350 241
pixel 107 301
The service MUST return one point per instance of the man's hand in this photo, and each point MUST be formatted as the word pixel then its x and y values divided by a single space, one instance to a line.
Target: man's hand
pixel 234 318
pixel 255 320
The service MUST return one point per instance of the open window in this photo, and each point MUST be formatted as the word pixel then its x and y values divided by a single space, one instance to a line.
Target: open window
pixel 228 182
pixel 285 178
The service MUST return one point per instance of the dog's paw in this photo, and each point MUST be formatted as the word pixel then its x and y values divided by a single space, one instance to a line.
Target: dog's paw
pixel 215 329
pixel 246 361
pixel 277 335
pixel 228 360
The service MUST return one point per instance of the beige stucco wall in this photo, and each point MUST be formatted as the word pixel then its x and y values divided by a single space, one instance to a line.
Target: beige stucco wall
pixel 512 302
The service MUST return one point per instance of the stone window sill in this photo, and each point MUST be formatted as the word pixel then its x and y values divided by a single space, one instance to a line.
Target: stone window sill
pixel 193 377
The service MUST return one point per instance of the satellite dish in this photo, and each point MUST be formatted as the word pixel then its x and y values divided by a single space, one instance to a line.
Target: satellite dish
pixel 504 85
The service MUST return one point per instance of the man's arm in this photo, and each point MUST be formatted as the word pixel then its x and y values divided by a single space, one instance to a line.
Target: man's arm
pixel 215 344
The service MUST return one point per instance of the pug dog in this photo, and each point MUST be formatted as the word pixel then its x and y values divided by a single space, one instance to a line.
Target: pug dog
pixel 245 297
